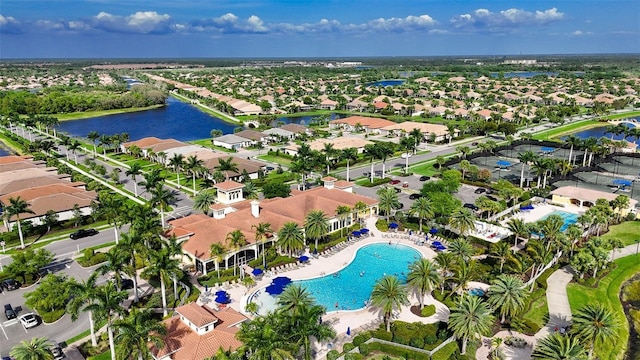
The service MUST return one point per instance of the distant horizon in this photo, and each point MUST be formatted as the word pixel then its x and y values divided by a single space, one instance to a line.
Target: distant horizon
pixel 40 29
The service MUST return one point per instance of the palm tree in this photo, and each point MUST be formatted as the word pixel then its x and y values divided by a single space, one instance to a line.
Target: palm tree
pixel 74 146
pixel 595 323
pixel 226 166
pixel 235 239
pixel 358 208
pixel 388 200
pixel 16 207
pixel 105 141
pixel 501 250
pixel 349 154
pixel 307 325
pixel 151 179
pixel 93 136
pixel 217 252
pixel 263 231
pixel 293 298
pixel 290 238
pixel 177 162
pixel 388 295
pixel 329 153
pixel 116 262
pixel 372 152
pixel 446 262
pixel 134 171
pixel 193 165
pixel 203 201
pixel 423 276
pixel 407 144
pixel 35 349
pixel 469 319
pixel 106 304
pixel 559 347
pixel 463 220
pixel 422 208
pixel 165 267
pixel 162 197
pixel 572 141
pixel 519 229
pixel 525 158
pixel 136 332
pixel 507 293
pixel 316 225
pixel 262 336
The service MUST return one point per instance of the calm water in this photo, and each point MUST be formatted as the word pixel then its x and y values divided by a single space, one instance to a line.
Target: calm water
pixel 384 83
pixel 599 132
pixel 306 120
pixel 351 287
pixel 177 120
pixel 569 218
pixel 525 74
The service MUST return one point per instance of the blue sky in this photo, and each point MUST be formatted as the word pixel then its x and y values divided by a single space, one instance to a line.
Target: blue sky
pixel 314 28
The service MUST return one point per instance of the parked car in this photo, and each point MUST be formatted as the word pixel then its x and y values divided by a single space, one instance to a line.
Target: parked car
pixel 83 233
pixel 9 312
pixel 424 178
pixel 415 196
pixel 475 143
pixel 492 198
pixel 56 350
pixel 480 190
pixel 405 184
pixel 10 284
pixel 398 190
pixel 470 206
pixel 29 320
pixel 394 182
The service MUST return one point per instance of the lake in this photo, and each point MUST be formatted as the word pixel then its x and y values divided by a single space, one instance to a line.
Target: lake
pixel 306 120
pixel 384 83
pixel 599 132
pixel 178 120
pixel 524 74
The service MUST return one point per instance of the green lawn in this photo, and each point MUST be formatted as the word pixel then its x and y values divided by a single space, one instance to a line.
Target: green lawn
pixel 538 311
pixel 627 232
pixel 90 114
pixel 276 159
pixel 606 292
pixel 551 134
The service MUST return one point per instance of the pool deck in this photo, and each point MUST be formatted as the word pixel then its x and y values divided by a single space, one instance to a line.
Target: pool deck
pixel 356 320
pixel 544 209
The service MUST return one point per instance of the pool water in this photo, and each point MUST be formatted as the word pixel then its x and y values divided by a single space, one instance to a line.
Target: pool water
pixel 569 218
pixel 350 288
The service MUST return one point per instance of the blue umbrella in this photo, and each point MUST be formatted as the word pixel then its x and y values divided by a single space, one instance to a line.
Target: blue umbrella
pixel 257 271
pixel 364 231
pixel 548 149
pixel 220 292
pixel 274 289
pixel 303 258
pixel 393 225
pixel 503 163
pixel 355 233
pixel 433 231
pixel 281 280
pixel 348 330
pixel 315 251
pixel 526 207
pixel 622 182
pixel 223 299
pixel 437 243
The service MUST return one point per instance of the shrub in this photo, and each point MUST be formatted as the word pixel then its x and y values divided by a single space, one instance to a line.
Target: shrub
pixel 348 347
pixel 376 182
pixel 405 333
pixel 361 338
pixel 364 349
pixel 333 355
pixel 382 335
pixel 428 310
pixel 52 316
pixel 88 253
pixel 353 356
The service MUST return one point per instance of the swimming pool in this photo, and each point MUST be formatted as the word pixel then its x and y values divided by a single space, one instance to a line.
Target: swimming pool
pixel 569 218
pixel 351 286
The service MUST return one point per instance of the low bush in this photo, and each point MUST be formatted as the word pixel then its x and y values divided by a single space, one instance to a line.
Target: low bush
pixel 398 351
pixel 428 310
pixel 382 335
pixel 414 334
pixel 53 316
pixel 353 356
pixel 348 347
pixel 333 355
pixel 376 182
pixel 96 259
pixel 449 351
pixel 361 338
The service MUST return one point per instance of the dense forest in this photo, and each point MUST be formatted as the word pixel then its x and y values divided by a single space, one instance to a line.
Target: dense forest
pixel 59 100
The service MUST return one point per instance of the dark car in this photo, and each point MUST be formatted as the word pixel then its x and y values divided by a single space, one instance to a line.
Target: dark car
pixel 398 189
pixel 394 182
pixel 480 190
pixel 9 312
pixel 10 284
pixel 56 351
pixel 470 206
pixel 475 143
pixel 126 283
pixel 424 178
pixel 415 196
pixel 492 198
pixel 83 233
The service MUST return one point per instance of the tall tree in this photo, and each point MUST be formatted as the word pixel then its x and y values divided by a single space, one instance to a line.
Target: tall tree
pixel 316 225
pixel 469 319
pixel 293 298
pixel 16 207
pixel 111 207
pixel 290 238
pixel 35 349
pixel 423 277
pixel 507 294
pixel 217 252
pixel 263 232
pixel 388 200
pixel 235 240
pixel 136 332
pixel 525 158
pixel 106 304
pixel 83 294
pixel 163 198
pixel 349 154
pixel 559 347
pixel 463 220
pixel 134 171
pixel 93 136
pixel 177 163
pixel 165 267
pixel 388 295
pixel 203 201
pixel 227 166
pixel 342 214
pixel 74 146
pixel 595 324
pixel 194 165
pixel 422 209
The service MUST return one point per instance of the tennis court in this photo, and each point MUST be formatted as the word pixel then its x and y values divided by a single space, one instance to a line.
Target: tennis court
pixel 500 167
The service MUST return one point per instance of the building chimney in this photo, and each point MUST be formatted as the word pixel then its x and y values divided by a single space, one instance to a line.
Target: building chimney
pixel 255 208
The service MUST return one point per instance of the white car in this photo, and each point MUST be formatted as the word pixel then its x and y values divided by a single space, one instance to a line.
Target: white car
pixel 29 320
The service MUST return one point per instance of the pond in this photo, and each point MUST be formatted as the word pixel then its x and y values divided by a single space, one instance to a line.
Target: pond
pixel 306 120
pixel 390 82
pixel 600 131
pixel 178 120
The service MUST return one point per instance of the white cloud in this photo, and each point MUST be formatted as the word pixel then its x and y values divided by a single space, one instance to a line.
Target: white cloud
pixel 510 18
pixel 9 25
pixel 581 33
pixel 230 24
pixel 142 22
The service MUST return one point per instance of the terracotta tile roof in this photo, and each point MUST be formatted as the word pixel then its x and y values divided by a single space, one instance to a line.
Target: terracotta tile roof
pixel 343 184
pixel 228 185
pixel 197 315
pixel 277 212
pixel 13 158
pixel 590 195
pixel 423 127
pixel 182 343
pixel 57 197
pixel 368 122
pixel 295 128
pixel 144 142
pixel 251 134
pixel 328 178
